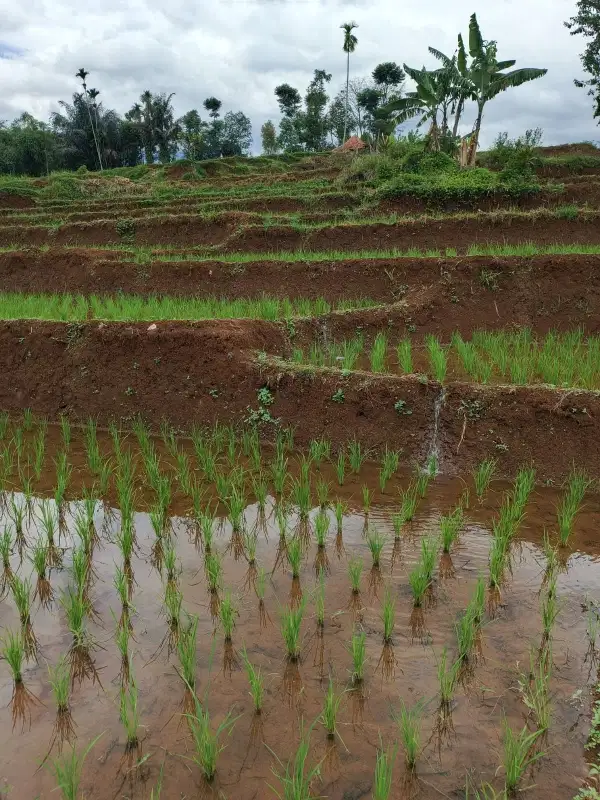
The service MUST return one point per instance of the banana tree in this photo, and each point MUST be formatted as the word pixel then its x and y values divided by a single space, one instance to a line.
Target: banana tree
pixel 485 76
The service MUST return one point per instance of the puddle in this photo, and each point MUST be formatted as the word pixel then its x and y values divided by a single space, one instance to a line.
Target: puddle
pixel 296 691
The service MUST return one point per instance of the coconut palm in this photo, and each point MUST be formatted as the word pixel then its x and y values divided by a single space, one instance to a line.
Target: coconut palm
pixel 350 42
pixel 82 75
pixel 485 76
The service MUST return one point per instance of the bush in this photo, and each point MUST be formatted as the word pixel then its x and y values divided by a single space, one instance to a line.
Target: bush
pixel 428 163
pixel 458 185
pixel 515 157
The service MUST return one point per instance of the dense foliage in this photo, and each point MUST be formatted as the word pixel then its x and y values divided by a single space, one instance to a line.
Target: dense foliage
pixel 586 23
pixel 85 134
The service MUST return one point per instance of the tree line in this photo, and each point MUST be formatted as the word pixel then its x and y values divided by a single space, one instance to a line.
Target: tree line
pixel 374 108
pixel 86 134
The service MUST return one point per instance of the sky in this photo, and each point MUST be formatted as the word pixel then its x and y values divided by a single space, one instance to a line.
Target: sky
pixel 239 50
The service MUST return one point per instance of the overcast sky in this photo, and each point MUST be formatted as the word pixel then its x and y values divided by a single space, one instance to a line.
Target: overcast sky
pixel 239 50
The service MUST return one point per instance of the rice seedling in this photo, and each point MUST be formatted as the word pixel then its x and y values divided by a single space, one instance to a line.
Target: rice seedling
pixel 379 353
pixel 187 653
pixel 207 526
pixel 419 583
pixel 59 677
pixel 331 707
pixel 92 448
pixel 207 743
pixel 409 721
pixel 367 499
pixel 123 589
pixel 447 677
pixel 578 484
pixel 340 467
pixel 68 769
pixel 388 614
pixel 256 681
pixel 279 474
pixel 65 429
pixel 437 357
pixel 450 526
pixel 296 777
pixel 77 609
pixel 549 610
pixel 13 651
pixel 356 455
pixel 43 588
pixel 323 494
pixel 129 713
pixel 376 541
pixel 6 548
pixel 523 486
pixel 404 355
pixel 16 512
pixel 294 555
pixel 260 489
pixel 482 476
pixel 260 587
pixel 39 448
pixel 517 754
pixel 49 524
pixel 358 651
pixel 122 636
pixel 184 472
pixel 63 478
pixel 21 591
pixel 213 566
pixel 291 622
pixel 228 613
pixel 534 689
pixel 389 464
pixel 4 420
pixel 429 551
pixel 28 419
pixel 319 450
pixel 384 766
pixel 172 602
pixel 302 500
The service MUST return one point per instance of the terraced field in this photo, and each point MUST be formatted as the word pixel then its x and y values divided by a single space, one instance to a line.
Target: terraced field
pixel 229 387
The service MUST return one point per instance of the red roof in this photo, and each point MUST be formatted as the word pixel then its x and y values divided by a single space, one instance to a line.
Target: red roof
pixel 353 143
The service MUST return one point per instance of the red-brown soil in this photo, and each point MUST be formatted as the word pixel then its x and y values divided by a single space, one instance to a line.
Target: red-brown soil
pixel 11 200
pixel 208 371
pixel 435 295
pixel 582 194
pixel 231 235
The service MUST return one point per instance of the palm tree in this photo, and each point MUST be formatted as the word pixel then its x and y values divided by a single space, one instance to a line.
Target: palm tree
pixel 82 75
pixel 350 42
pixel 486 76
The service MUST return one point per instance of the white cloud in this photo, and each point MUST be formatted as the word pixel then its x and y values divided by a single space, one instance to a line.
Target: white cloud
pixel 239 50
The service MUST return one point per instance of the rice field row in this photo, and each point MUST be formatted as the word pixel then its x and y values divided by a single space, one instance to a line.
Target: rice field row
pixel 133 308
pixel 152 253
pixel 568 360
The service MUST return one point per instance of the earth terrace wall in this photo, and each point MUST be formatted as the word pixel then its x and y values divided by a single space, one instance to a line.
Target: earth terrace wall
pixel 202 372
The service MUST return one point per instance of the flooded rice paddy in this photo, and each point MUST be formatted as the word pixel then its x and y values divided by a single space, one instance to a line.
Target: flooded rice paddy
pixel 467 747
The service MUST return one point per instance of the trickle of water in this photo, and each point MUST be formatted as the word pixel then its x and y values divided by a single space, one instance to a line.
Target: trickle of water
pixel 433 455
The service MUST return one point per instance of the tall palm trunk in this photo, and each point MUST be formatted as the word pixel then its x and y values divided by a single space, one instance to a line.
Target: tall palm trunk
pixel 347 93
pixel 87 105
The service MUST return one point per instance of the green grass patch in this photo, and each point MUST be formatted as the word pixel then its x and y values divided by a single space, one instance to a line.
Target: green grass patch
pixel 131 308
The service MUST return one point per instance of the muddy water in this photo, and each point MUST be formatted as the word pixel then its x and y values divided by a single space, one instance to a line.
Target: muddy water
pixel 245 766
